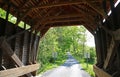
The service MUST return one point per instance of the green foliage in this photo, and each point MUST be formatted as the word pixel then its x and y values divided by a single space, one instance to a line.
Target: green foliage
pixel 62 40
pixel 2 13
pixel 89 69
pixel 12 19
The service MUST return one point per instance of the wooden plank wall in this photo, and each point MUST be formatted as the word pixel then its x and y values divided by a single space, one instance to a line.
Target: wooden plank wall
pixel 107 40
pixel 23 45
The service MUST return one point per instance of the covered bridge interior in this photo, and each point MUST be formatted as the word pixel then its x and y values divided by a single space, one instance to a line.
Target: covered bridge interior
pixel 19 47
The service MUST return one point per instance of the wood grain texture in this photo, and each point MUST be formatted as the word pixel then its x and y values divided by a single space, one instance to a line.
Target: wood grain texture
pixel 15 72
pixel 100 72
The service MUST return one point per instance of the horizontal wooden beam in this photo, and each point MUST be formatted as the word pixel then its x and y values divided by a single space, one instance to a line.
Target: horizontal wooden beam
pixel 59 4
pixel 13 36
pixel 66 24
pixel 19 71
pixel 63 16
pixel 65 20
pixel 100 73
pixel 71 24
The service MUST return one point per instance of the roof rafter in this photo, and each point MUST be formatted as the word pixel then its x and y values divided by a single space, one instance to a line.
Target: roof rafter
pixel 42 19
pixel 23 16
pixel 66 20
pixel 96 9
pixel 43 24
pixel 63 16
pixel 43 31
pixel 59 4
pixel 85 16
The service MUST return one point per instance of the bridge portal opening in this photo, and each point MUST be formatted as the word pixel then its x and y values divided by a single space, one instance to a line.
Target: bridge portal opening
pixel 59 41
pixel 18 46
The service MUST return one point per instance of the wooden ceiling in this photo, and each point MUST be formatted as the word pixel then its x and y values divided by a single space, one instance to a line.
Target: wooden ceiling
pixel 43 14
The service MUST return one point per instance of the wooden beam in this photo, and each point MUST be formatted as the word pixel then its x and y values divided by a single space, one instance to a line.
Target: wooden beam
pixel 100 73
pixel 23 16
pixel 106 29
pixel 88 19
pixel 21 6
pixel 1 58
pixel 71 24
pixel 116 34
pixel 98 42
pixel 15 72
pixel 59 4
pixel 25 48
pixel 64 24
pixel 67 20
pixel 43 18
pixel 63 16
pixel 37 46
pixel 96 9
pixel 43 31
pixel 89 28
pixel 85 14
pixel 110 53
pixel 43 24
pixel 13 36
pixel 6 48
pixel 30 47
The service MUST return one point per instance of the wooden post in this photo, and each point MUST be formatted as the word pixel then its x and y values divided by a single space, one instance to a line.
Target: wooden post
pixel 25 48
pixel 17 43
pixel 24 25
pixel 37 46
pixel 103 43
pixel 1 56
pixel 30 48
pixel 6 61
pixel 98 48
pixel 7 15
pixel 118 56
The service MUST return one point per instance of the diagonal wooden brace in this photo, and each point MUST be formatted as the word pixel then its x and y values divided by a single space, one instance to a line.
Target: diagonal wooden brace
pixel 6 48
pixel 100 73
pixel 15 72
